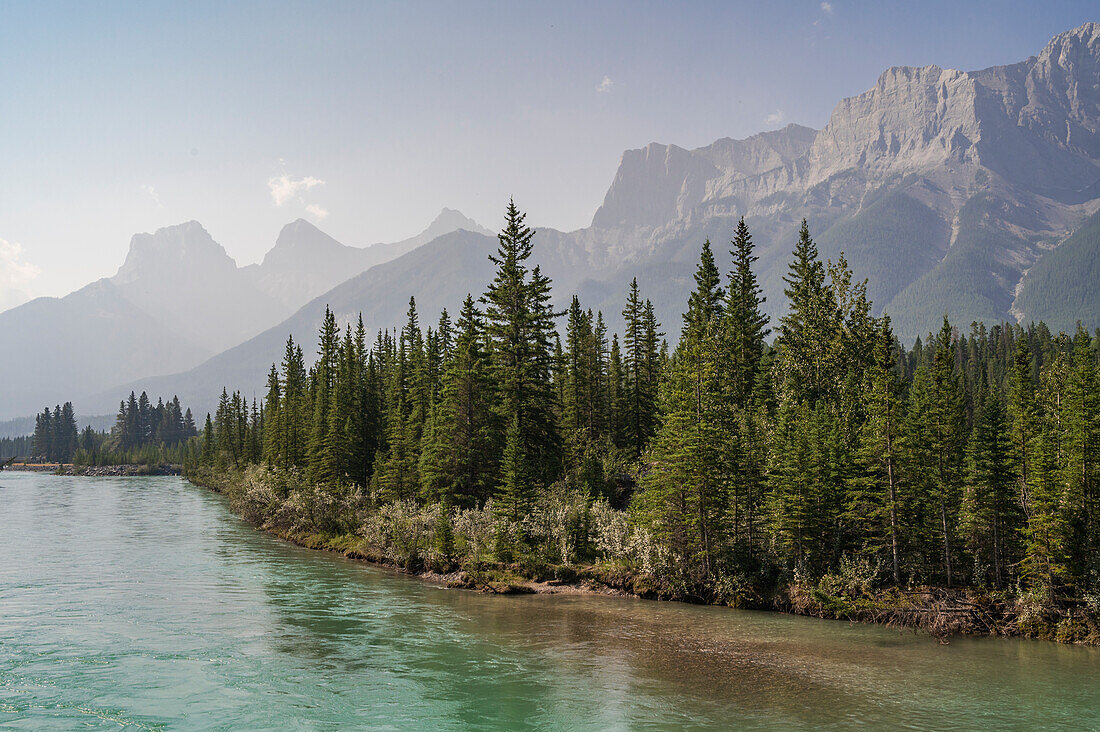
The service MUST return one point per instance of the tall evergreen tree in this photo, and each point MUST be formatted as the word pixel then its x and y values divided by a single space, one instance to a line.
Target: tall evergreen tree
pixel 746 323
pixel 873 500
pixel 520 327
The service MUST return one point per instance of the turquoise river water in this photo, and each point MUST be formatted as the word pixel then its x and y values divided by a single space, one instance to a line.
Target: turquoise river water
pixel 144 603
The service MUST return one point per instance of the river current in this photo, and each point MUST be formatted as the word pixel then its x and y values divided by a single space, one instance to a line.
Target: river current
pixel 144 603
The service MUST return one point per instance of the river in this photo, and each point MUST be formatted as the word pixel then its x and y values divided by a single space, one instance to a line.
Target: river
pixel 144 603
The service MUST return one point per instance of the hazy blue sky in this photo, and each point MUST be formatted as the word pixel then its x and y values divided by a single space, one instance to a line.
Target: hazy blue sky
pixel 369 117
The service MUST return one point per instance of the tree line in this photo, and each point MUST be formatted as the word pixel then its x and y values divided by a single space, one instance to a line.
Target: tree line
pixel 16 446
pixel 143 433
pixel 55 436
pixel 754 453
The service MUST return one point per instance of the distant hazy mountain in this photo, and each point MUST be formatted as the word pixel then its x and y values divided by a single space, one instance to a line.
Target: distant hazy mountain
pixel 306 262
pixel 80 343
pixel 381 294
pixel 177 299
pixel 960 193
pixel 185 280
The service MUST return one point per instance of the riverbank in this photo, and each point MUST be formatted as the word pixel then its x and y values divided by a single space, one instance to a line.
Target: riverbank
pixel 398 538
pixel 120 471
pixel 100 471
pixel 36 467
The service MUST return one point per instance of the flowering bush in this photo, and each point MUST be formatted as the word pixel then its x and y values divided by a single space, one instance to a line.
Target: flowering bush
pixel 611 533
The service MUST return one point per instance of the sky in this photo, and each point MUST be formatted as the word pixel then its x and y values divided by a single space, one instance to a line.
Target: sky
pixel 368 117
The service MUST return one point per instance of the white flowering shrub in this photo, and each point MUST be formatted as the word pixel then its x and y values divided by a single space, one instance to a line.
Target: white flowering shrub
pixel 611 533
pixel 404 532
pixel 652 556
pixel 475 533
pixel 559 524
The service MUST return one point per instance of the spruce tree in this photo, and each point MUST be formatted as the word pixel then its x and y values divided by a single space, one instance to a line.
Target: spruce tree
pixel 807 331
pixel 520 327
pixel 934 445
pixel 683 500
pixel 746 324
pixel 274 434
pixel 322 462
pixel 1081 418
pixel 459 456
pixel 873 503
pixel 990 511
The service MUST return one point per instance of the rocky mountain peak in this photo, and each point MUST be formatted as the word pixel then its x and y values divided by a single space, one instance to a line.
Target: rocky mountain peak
pixel 164 253
pixel 301 239
pixel 450 220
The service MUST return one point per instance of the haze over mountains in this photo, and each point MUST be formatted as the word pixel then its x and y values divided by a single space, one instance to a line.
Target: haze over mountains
pixel 306 262
pixel 178 299
pixel 953 192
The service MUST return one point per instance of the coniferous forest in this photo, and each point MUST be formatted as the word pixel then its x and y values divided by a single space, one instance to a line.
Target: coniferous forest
pixel 143 434
pixel 813 463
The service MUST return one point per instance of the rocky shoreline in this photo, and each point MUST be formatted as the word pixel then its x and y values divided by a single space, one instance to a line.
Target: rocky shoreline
pixel 120 471
pixel 99 471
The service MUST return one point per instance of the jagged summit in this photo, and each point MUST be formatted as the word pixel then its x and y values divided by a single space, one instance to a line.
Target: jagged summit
pixel 958 192
pixel 449 220
pixel 298 239
pixel 186 245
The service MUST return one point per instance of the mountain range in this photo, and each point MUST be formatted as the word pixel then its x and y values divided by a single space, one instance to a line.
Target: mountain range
pixel 974 194
pixel 177 300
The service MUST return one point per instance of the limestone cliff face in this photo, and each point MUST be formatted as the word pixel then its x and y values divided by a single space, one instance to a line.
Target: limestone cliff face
pixel 945 188
pixel 662 183
pixel 1035 123
pixel 913 119
pixel 1000 164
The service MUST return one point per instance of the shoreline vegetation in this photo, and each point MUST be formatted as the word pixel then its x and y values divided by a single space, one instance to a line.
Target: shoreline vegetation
pixel 113 471
pixel 455 554
pixel 815 464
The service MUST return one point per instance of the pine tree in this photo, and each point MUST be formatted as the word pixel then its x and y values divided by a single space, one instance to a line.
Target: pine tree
pixel 520 327
pixel 989 507
pixel 873 500
pixel 746 324
pixel 322 461
pixel 273 449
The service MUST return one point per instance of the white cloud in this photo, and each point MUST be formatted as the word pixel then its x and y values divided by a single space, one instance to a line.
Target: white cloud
pixel 827 8
pixel 316 211
pixel 286 188
pixel 152 191
pixel 15 275
pixel 605 85
pixel 775 117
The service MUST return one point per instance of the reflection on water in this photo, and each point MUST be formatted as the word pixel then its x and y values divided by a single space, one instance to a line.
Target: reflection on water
pixel 144 602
